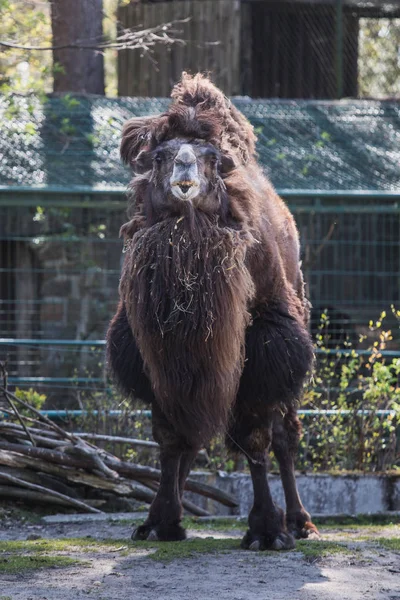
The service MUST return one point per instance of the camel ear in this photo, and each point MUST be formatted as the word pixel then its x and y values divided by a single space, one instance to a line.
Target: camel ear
pixel 227 164
pixel 136 135
pixel 143 162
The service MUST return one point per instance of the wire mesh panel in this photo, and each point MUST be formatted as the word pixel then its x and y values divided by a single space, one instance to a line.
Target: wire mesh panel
pixel 59 270
pixel 351 260
pixel 60 267
pixel 62 204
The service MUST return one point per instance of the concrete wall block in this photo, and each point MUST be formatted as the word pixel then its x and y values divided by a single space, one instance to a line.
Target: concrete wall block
pixel 395 500
pixel 320 493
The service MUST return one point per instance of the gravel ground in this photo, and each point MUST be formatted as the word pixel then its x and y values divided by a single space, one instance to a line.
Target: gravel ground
pixel 366 570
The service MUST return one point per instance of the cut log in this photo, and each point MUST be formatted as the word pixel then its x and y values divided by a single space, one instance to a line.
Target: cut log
pixel 43 479
pixel 122 487
pixel 122 467
pixel 117 439
pixel 8 491
pixel 38 488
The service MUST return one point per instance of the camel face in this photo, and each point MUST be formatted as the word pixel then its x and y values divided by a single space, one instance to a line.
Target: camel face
pixel 187 172
pixel 185 180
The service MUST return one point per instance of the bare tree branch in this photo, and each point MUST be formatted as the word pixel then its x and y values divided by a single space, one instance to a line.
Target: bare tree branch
pixel 3 370
pixel 127 40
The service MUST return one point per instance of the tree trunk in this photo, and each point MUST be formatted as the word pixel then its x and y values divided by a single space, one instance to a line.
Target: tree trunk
pixel 76 69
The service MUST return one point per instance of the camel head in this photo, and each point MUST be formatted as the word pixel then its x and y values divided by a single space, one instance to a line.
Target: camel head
pixel 184 171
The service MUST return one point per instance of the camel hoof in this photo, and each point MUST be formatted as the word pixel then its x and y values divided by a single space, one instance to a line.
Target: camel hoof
pixel 152 532
pixel 153 537
pixel 284 541
pixel 139 534
pixel 256 542
pixel 255 546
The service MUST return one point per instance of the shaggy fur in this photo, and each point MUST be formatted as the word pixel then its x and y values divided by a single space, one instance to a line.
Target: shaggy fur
pixel 124 360
pixel 199 111
pixel 179 282
pixel 212 325
pixel 279 353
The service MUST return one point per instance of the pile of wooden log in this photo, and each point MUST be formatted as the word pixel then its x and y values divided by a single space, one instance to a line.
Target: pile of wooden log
pixel 41 463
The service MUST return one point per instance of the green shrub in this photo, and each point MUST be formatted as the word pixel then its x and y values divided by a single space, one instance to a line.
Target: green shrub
pixel 358 386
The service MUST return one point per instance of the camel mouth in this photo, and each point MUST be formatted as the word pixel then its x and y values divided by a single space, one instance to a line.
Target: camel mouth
pixel 184 187
pixel 185 190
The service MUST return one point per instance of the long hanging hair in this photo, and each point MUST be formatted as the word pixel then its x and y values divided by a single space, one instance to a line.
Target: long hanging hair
pixel 186 290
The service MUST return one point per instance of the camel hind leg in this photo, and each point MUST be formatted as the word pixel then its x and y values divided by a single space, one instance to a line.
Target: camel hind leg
pixel 279 355
pixel 267 528
pixel 285 437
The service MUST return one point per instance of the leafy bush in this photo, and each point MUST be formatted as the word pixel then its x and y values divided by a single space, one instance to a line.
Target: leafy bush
pixel 359 385
pixel 30 397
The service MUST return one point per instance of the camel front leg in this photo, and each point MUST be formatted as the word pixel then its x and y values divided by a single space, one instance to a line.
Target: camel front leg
pixel 165 514
pixel 267 527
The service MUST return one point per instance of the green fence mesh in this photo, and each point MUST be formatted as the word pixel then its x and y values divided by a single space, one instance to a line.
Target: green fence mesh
pixel 62 203
pixel 315 145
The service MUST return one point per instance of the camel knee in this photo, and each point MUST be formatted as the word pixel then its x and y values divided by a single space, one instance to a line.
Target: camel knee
pixel 286 434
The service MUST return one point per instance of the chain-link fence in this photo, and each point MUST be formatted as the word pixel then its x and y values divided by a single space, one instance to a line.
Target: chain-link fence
pixel 62 203
pixel 60 272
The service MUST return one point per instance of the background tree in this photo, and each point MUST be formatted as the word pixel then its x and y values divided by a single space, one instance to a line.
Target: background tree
pixel 79 69
pixel 84 43
pixel 27 23
pixel 379 58
pixel 21 70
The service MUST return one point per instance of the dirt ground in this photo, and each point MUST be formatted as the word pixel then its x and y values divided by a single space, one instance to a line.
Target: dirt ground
pixel 352 562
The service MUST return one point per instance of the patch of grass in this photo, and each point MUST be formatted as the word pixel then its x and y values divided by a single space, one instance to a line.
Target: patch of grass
pixel 167 551
pixel 357 521
pixel 392 544
pixel 239 524
pixel 61 545
pixel 22 555
pixel 317 549
pixel 15 563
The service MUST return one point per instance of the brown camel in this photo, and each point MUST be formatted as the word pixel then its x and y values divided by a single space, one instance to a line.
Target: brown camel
pixel 211 328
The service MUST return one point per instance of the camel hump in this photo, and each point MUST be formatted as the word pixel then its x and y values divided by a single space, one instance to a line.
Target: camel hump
pixel 236 134
pixel 193 90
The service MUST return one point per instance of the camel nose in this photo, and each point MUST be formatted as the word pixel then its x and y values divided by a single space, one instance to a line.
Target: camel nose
pixel 185 156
